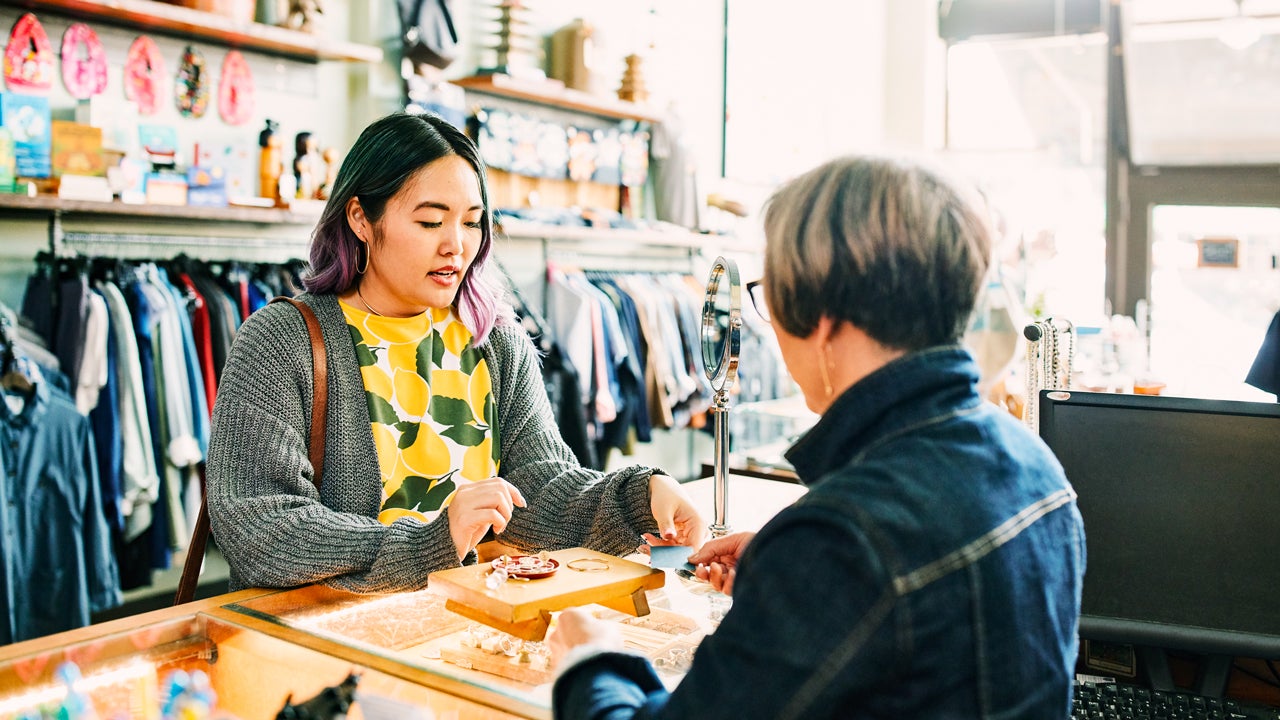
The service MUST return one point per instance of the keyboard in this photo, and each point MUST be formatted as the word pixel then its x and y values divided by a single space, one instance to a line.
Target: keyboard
pixel 1114 701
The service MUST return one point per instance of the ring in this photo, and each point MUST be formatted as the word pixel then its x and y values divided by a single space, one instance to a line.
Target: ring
pixel 589 565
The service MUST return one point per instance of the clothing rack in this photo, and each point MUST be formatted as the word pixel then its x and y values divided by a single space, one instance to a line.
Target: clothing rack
pixel 211 247
pixel 523 307
pixel 654 260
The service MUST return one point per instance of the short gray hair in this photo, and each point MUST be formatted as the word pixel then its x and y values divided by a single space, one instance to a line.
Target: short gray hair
pixel 888 244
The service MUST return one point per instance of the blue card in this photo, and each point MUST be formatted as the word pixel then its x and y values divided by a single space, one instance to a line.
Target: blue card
pixel 670 556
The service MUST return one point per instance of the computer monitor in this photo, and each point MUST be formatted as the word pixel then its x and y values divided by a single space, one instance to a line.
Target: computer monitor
pixel 1181 506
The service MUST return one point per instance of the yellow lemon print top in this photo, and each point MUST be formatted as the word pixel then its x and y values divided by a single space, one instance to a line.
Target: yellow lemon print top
pixel 431 406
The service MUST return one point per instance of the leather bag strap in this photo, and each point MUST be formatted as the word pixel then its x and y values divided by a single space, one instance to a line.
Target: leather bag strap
pixel 315 451
pixel 319 385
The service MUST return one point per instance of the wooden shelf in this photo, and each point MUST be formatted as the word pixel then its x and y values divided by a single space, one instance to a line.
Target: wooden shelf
pixel 553 93
pixel 523 230
pixel 48 205
pixel 187 23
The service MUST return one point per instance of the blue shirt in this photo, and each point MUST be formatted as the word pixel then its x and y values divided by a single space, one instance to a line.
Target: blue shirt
pixel 191 359
pixel 109 445
pixel 145 321
pixel 57 554
pixel 933 570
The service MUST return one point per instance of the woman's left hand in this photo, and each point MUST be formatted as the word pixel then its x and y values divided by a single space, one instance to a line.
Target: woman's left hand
pixel 577 626
pixel 679 522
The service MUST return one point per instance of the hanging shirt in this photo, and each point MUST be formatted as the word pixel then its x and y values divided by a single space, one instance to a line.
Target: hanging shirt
pixel 430 406
pixel 201 333
pixel 108 444
pixel 93 355
pixel 57 559
pixel 139 479
pixel 146 327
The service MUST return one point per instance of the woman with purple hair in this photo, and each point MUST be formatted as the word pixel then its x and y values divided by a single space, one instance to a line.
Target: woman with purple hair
pixel 439 433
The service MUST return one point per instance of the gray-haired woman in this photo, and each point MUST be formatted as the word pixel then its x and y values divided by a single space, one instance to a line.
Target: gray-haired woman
pixel 934 568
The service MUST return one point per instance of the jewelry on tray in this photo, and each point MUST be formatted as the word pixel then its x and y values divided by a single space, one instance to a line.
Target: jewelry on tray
pixel 588 565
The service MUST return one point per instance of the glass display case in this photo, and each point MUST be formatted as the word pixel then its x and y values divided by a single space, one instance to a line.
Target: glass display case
pixel 449 652
pixel 132 668
pixel 410 656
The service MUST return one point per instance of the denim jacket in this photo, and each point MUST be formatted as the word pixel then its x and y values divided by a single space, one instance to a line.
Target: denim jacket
pixel 933 570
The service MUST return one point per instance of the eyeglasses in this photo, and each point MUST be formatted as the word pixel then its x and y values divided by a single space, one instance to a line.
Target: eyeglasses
pixel 755 289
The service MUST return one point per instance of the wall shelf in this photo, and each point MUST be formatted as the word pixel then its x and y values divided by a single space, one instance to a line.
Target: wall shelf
pixel 48 205
pixel 609 237
pixel 510 229
pixel 552 93
pixel 184 22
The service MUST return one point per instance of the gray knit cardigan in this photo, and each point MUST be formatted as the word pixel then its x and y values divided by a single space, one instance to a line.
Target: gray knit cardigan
pixel 276 531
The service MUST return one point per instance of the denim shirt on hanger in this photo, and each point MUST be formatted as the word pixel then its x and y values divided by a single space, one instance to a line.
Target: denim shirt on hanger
pixel 57 554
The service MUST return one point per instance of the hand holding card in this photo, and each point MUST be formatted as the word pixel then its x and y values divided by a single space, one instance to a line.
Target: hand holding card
pixel 670 556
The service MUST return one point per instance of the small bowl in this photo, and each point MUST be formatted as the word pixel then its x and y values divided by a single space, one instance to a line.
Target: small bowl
pixel 529 567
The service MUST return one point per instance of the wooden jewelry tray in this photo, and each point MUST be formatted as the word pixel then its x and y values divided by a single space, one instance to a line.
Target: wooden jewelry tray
pixel 523 607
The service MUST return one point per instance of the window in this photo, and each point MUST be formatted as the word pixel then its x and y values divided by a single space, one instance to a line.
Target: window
pixel 1027 119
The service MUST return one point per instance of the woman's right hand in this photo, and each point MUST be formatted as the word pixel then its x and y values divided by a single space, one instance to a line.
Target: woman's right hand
pixel 478 506
pixel 717 560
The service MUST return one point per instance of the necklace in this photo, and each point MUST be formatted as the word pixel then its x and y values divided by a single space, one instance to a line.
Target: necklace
pixel 366 303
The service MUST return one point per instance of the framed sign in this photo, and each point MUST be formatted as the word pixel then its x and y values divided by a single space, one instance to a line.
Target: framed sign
pixel 1218 252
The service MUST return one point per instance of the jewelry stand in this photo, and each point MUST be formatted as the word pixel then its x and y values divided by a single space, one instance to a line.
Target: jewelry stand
pixel 523 607
pixel 1051 349
pixel 721 339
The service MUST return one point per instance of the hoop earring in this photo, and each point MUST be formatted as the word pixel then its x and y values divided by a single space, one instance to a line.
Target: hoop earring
pixel 822 366
pixel 361 270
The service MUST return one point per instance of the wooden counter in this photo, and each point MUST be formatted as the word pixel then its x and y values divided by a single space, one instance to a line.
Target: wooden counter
pixel 260 647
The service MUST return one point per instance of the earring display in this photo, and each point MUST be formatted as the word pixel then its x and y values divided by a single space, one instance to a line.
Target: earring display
pixel 143 74
pixel 428 630
pixel 28 57
pixel 191 89
pixel 235 90
pixel 497 653
pixel 524 608
pixel 1050 352
pixel 84 62
pixel 667 638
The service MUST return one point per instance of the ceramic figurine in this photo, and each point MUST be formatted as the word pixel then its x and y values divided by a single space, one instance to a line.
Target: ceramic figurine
pixel 303 14
pixel 270 165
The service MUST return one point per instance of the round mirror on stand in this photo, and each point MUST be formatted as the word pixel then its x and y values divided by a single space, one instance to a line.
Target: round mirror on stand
pixel 721 338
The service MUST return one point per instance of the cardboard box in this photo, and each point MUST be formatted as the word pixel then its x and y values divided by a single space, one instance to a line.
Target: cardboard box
pixel 206 186
pixel 166 189
pixel 239 164
pixel 159 144
pixel 29 120
pixel 77 150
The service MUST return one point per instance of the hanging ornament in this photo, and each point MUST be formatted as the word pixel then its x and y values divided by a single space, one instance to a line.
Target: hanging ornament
pixel 84 62
pixel 28 59
pixel 192 86
pixel 235 89
pixel 143 70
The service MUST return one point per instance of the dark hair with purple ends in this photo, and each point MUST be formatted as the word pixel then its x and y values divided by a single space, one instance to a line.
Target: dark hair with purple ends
pixel 382 159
